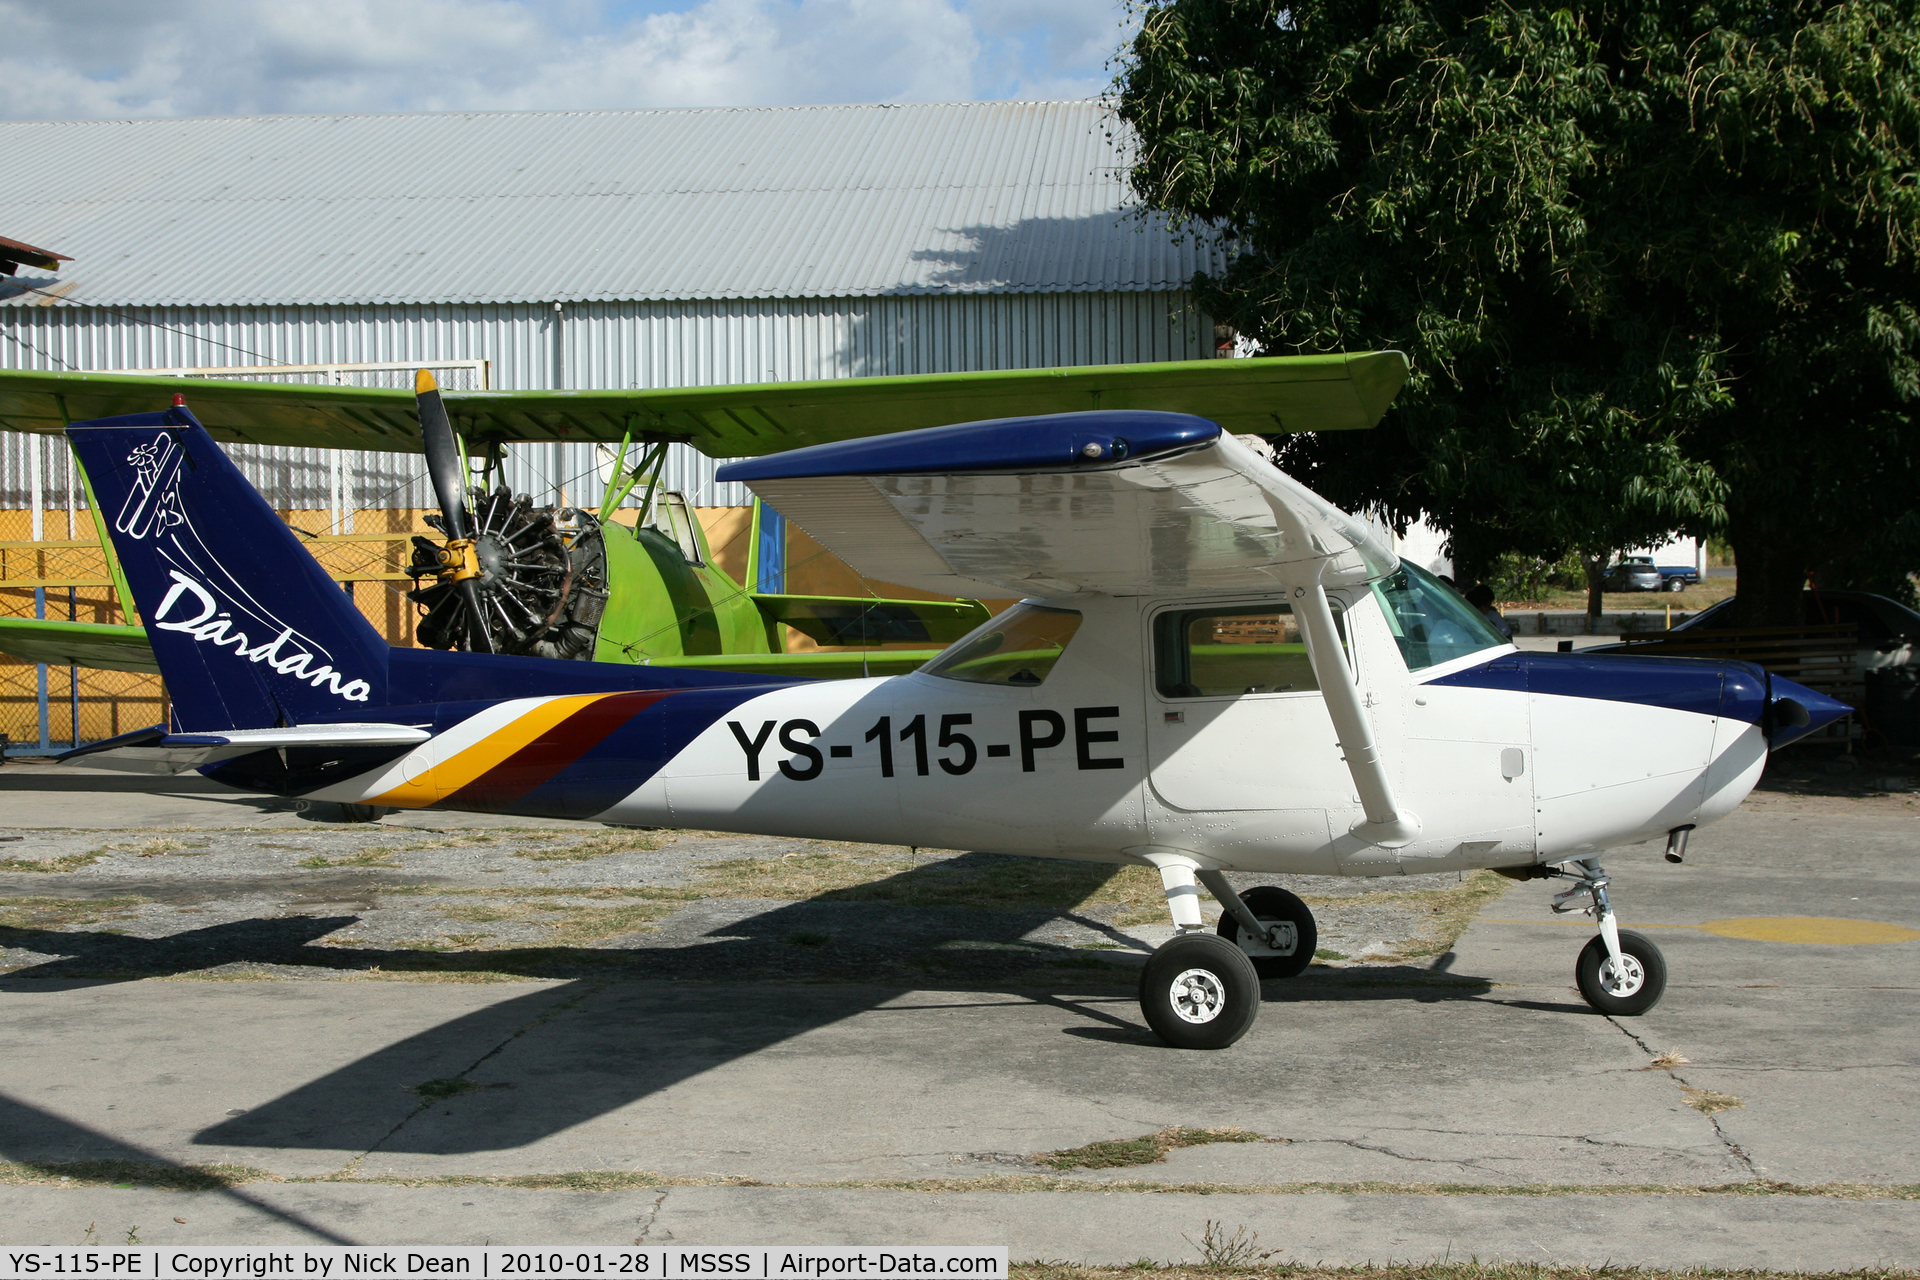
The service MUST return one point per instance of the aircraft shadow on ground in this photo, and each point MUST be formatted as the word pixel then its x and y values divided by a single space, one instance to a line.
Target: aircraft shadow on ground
pixel 558 1057
pixel 54 1145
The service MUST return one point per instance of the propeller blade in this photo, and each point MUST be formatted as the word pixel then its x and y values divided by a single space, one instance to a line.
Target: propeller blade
pixel 443 455
pixel 450 486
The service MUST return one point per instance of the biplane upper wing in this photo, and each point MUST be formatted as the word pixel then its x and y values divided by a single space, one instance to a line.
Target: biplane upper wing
pixel 1258 396
pixel 1120 503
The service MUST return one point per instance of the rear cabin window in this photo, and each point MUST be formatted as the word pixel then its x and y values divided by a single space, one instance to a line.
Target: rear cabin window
pixel 1229 652
pixel 1019 648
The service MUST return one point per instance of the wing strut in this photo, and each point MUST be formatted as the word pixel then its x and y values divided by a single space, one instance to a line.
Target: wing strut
pixel 1386 824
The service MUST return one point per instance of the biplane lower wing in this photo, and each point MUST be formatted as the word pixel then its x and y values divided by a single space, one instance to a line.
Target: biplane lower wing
pixel 78 644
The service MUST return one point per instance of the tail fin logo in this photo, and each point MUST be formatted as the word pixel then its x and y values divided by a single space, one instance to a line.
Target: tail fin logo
pixel 203 599
pixel 216 627
pixel 153 505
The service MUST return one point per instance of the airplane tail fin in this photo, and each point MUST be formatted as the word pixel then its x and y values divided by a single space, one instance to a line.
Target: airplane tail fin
pixel 248 629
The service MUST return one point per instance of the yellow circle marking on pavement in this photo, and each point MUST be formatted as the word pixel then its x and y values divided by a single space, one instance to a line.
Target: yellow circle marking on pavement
pixel 1817 930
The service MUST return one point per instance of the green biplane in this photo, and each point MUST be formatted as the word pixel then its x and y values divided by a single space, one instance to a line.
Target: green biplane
pixel 566 582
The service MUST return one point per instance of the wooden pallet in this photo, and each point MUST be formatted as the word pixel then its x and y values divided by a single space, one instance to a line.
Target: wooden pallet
pixel 1825 659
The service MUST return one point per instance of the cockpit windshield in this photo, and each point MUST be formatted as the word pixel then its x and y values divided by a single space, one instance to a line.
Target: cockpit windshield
pixel 1430 620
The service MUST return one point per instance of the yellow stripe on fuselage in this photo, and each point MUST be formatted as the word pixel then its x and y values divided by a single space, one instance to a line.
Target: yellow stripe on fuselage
pixel 448 776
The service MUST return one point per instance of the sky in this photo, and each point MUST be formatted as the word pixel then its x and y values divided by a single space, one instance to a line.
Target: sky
pixel 94 59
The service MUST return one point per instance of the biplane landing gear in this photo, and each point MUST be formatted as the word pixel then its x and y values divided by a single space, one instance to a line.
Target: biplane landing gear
pixel 1620 972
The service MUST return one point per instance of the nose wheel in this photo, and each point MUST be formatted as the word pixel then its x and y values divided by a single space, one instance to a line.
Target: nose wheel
pixel 1620 972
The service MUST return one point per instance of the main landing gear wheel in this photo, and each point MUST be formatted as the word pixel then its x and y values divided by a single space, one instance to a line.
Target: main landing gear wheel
pixel 1632 988
pixel 1298 935
pixel 1199 991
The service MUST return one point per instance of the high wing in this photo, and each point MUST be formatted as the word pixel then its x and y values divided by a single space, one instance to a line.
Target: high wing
pixel 1257 396
pixel 78 644
pixel 1116 503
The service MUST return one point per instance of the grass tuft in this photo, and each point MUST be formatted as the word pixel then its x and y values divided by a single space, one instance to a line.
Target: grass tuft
pixel 1150 1148
pixel 594 846
pixel 106 1173
pixel 71 862
pixel 445 1087
pixel 41 913
pixel 1706 1101
pixel 378 856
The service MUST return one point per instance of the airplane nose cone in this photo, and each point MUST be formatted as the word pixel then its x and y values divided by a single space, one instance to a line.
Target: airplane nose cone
pixel 1794 711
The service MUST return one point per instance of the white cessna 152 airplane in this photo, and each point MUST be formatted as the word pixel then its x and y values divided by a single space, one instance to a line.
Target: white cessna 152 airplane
pixel 1210 670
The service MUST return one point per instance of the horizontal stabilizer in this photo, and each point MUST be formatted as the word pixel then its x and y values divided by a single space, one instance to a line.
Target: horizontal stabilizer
pixel 159 752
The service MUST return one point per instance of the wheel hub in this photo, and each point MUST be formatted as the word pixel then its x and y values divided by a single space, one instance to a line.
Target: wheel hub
pixel 1623 980
pixel 1198 995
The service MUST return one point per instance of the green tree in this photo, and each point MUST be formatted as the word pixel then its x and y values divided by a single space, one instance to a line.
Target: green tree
pixel 1653 262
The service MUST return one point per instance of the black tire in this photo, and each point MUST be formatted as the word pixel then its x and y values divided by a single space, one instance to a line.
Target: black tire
pixel 361 812
pixel 1270 902
pixel 1676 584
pixel 1199 991
pixel 1635 949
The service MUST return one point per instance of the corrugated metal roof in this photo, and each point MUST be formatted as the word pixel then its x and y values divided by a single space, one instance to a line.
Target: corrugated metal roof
pixel 765 202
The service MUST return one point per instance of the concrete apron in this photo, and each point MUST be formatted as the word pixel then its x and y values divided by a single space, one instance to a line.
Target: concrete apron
pixel 1650 1231
pixel 1490 1073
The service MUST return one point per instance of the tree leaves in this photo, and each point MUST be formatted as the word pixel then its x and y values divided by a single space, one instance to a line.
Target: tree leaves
pixel 1631 246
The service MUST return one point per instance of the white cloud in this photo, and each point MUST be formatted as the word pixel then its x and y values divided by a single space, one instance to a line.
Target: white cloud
pixel 71 59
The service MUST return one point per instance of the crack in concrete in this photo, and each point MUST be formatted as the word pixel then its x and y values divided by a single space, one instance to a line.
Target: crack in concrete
pixel 545 1016
pixel 1360 1145
pixel 652 1217
pixel 1733 1148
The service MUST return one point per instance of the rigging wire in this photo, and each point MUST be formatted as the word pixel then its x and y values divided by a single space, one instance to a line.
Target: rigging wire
pixel 154 324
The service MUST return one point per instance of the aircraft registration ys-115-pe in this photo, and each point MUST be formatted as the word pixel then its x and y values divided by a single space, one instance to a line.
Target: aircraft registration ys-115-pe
pixel 1210 670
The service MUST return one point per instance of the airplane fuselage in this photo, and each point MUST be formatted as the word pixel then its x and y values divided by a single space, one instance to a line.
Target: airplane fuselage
pixel 1504 758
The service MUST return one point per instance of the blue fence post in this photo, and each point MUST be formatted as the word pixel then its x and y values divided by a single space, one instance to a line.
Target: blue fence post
pixel 40 611
pixel 772 553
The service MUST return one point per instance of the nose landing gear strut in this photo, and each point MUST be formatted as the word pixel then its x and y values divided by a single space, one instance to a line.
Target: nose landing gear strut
pixel 1620 972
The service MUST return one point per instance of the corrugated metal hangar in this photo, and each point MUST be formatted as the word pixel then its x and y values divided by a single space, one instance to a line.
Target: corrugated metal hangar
pixel 606 249
pixel 578 249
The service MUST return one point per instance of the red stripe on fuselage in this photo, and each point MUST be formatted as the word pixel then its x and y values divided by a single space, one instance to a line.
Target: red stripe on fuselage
pixel 552 751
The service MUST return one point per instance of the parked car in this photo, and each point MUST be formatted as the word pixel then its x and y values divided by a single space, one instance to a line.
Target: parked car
pixel 1889 632
pixel 1640 573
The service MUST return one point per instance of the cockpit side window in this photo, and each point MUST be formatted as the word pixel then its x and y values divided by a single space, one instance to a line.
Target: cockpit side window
pixel 1430 621
pixel 1231 651
pixel 1017 648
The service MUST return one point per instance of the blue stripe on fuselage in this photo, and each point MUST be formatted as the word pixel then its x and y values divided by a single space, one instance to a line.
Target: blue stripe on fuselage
pixel 1704 686
pixel 629 756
